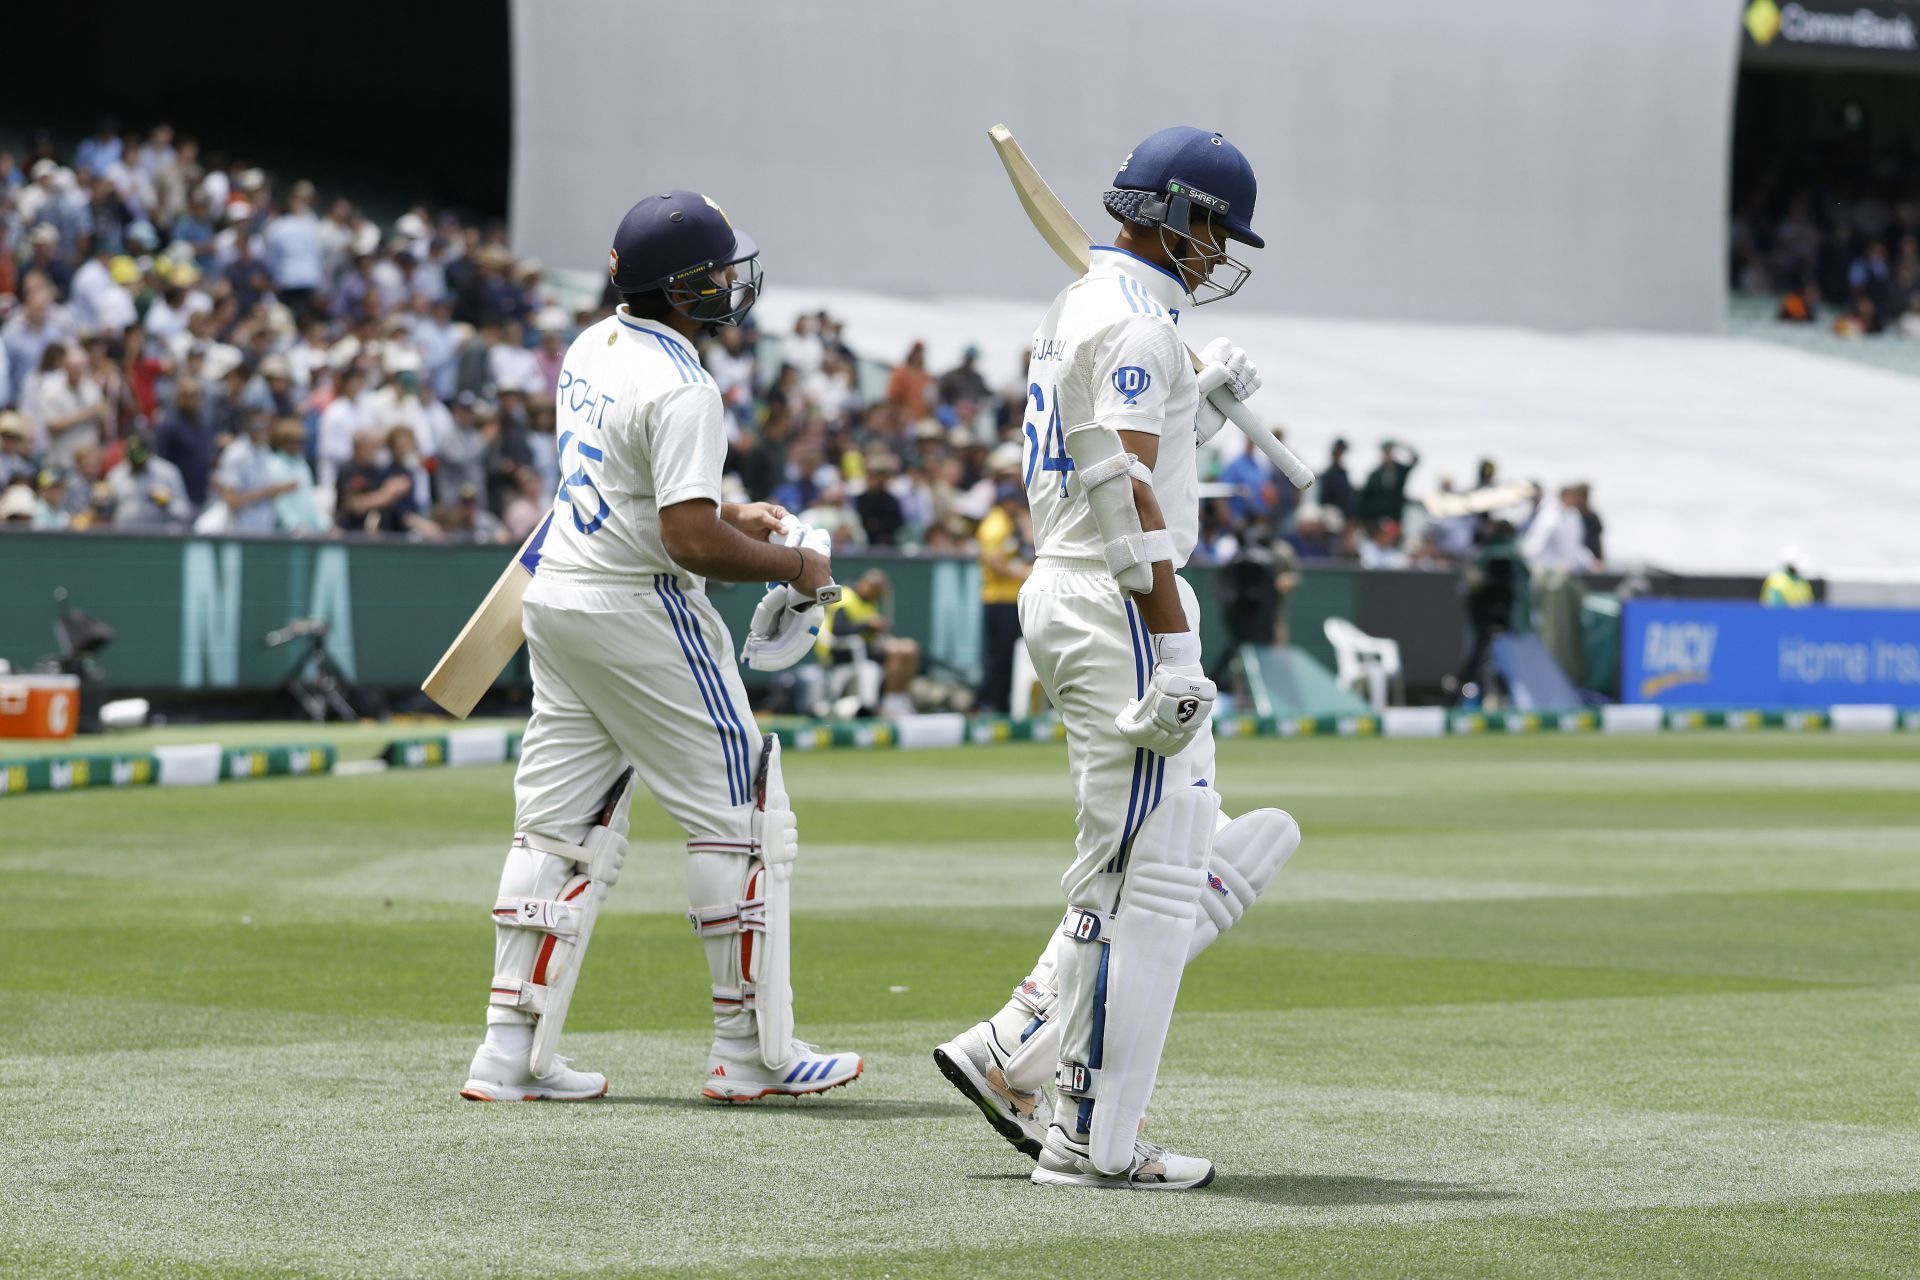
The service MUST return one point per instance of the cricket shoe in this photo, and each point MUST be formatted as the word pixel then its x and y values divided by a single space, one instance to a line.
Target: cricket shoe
pixel 736 1073
pixel 500 1077
pixel 1063 1163
pixel 973 1065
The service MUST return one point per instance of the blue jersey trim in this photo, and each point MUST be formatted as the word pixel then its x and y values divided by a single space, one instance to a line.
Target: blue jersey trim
pixel 1114 248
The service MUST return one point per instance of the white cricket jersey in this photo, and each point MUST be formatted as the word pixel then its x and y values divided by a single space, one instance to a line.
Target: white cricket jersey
pixel 639 426
pixel 1108 352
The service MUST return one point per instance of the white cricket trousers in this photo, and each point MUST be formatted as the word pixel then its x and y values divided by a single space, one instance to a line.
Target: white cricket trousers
pixel 1093 655
pixel 636 671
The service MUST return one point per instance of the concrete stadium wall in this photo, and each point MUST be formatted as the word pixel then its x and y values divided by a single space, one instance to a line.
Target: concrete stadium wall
pixel 1499 161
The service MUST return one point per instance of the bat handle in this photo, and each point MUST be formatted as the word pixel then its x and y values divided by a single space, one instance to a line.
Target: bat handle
pixel 1263 439
pixel 799 603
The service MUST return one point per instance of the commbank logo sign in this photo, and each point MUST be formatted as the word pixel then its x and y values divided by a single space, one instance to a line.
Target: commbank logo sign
pixel 1857 28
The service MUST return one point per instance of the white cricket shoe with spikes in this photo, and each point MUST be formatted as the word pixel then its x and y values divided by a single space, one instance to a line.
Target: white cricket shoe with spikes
pixel 973 1065
pixel 496 1076
pixel 737 1073
pixel 1063 1163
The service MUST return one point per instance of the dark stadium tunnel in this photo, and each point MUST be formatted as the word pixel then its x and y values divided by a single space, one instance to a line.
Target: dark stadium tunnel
pixel 387 103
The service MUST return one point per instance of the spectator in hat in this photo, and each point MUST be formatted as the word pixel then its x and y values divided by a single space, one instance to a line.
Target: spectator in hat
pixel 19 463
pixel 18 506
pixel 50 510
pixel 467 520
pixel 296 509
pixel 148 491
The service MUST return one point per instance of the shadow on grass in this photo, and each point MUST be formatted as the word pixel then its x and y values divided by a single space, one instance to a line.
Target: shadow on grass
pixel 1335 1189
pixel 840 1110
pixel 1304 1189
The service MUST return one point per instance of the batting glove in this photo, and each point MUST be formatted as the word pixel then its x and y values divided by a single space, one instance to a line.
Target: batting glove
pixel 1178 701
pixel 1242 375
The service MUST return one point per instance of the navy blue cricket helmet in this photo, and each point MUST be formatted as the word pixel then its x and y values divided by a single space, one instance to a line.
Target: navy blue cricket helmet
pixel 1177 171
pixel 1204 167
pixel 676 242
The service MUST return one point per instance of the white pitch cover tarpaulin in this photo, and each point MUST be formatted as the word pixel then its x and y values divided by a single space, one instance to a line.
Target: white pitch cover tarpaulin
pixel 1706 454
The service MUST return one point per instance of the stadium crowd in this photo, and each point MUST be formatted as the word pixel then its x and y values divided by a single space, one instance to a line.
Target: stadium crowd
pixel 186 346
pixel 1832 253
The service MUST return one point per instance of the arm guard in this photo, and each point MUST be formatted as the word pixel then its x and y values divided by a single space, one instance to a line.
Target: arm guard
pixel 1106 471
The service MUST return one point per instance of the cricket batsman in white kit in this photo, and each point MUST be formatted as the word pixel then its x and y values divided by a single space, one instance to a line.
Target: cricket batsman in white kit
pixel 1115 416
pixel 634 680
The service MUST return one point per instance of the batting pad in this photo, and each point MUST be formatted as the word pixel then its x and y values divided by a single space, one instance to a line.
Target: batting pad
pixel 1147 948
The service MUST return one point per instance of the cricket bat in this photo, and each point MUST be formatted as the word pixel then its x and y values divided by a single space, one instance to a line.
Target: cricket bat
pixel 491 637
pixel 1064 235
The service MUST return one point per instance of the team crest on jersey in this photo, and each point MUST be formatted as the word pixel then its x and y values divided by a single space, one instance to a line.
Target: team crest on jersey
pixel 1130 380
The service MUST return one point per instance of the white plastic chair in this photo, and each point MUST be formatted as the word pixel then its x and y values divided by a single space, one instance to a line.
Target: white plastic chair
pixel 857 671
pixel 1366 665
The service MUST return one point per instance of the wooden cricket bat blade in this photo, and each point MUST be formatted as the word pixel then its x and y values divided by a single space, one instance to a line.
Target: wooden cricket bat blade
pixel 491 637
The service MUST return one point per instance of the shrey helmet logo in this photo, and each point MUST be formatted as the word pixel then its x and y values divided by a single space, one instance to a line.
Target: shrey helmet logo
pixel 1130 380
pixel 1188 709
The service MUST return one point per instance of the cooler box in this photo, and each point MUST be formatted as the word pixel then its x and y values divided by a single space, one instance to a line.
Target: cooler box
pixel 39 706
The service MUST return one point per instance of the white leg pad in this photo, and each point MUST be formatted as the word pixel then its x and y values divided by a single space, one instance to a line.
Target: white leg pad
pixel 1028 1020
pixel 1248 853
pixel 739 890
pixel 551 891
pixel 1147 945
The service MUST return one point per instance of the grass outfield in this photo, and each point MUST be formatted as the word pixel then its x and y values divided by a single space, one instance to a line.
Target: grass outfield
pixel 1541 1006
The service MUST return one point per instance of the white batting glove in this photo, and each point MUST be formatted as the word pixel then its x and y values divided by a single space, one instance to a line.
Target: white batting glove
pixel 785 623
pixel 1242 375
pixel 1178 701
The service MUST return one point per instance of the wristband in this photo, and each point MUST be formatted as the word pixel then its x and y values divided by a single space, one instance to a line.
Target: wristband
pixel 803 566
pixel 1177 649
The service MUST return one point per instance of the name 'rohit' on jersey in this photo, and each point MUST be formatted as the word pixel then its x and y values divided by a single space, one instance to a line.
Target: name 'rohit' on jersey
pixel 1107 351
pixel 640 426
